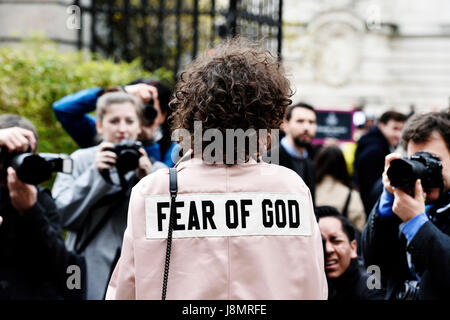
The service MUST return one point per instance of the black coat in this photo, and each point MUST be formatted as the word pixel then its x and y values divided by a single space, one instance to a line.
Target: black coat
pixel 308 174
pixel 33 257
pixel 352 285
pixel 369 164
pixel 429 249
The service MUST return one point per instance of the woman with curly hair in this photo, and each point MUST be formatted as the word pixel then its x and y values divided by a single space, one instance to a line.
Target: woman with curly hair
pixel 239 228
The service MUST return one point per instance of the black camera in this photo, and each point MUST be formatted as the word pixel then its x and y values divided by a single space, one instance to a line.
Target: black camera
pixel 404 172
pixel 127 155
pixel 149 112
pixel 35 168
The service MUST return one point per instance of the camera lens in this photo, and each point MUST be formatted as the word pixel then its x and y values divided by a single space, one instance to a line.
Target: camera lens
pixel 128 160
pixel 150 112
pixel 31 168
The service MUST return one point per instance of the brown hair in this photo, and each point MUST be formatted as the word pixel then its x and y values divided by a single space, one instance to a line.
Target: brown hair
pixel 12 120
pixel 330 161
pixel 392 115
pixel 419 127
pixel 113 97
pixel 291 108
pixel 238 86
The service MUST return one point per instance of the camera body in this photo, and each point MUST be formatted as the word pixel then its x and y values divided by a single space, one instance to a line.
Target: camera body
pixel 404 172
pixel 149 112
pixel 128 155
pixel 35 168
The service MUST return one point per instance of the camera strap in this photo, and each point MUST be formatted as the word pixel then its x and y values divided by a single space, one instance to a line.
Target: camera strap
pixel 347 203
pixel 173 188
pixel 106 174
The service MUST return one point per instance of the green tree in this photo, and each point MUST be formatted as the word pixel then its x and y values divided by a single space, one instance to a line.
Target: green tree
pixel 36 74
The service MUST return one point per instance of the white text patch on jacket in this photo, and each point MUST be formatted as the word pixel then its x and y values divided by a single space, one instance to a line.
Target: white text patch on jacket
pixel 229 214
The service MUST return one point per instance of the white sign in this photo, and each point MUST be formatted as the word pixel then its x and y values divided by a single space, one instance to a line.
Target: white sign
pixel 229 214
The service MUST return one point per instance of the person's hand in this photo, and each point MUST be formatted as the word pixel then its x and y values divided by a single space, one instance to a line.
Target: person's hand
pixel 105 159
pixel 145 166
pixel 143 91
pixel 17 139
pixel 405 206
pixel 23 196
pixel 387 163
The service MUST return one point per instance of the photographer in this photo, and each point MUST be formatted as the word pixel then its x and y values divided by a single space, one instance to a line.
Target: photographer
pixel 72 112
pixel 93 201
pixel 33 258
pixel 407 235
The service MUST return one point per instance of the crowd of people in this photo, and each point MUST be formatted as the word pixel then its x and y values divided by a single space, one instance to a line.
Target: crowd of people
pixel 144 219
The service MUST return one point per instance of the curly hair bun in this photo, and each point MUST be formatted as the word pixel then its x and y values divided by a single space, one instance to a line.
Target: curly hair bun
pixel 237 85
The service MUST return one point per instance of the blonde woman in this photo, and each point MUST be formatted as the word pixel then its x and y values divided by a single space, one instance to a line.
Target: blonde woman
pixel 92 203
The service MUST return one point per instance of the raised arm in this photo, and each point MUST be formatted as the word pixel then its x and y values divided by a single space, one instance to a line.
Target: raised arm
pixel 72 112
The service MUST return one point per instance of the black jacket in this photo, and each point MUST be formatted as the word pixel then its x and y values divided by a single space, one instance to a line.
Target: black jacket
pixel 33 257
pixel 352 285
pixel 307 173
pixel 369 164
pixel 385 246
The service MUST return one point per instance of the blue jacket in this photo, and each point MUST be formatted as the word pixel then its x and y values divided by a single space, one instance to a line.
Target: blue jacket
pixel 384 245
pixel 72 112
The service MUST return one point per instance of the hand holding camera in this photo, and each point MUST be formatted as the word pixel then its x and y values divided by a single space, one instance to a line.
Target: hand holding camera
pixel 126 156
pixel 407 207
pixel 143 91
pixel 20 169
pixel 17 139
pixel 23 196
pixel 387 163
pixel 105 158
pixel 406 179
pixel 145 166
pixel 152 117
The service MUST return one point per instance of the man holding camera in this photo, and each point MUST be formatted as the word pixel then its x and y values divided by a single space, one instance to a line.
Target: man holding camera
pixel 33 258
pixel 407 234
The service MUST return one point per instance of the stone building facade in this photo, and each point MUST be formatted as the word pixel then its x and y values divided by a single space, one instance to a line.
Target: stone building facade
pixel 339 53
pixel 379 53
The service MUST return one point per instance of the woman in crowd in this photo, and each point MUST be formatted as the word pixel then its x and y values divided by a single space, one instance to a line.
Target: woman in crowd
pixel 334 186
pixel 73 110
pixel 93 201
pixel 230 240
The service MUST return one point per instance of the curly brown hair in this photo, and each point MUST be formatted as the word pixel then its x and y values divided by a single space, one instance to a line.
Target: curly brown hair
pixel 237 85
pixel 420 127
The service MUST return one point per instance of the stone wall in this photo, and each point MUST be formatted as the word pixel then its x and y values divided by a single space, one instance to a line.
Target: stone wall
pixel 339 53
pixel 51 18
pixel 389 54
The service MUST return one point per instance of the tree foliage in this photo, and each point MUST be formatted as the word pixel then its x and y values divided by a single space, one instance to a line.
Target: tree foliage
pixel 36 74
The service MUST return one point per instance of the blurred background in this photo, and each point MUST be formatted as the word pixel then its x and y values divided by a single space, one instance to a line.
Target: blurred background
pixel 369 55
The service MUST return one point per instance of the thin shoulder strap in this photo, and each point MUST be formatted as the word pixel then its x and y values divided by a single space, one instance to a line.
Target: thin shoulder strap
pixel 347 203
pixel 173 187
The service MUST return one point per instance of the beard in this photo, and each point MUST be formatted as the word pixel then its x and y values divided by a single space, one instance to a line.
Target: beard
pixel 302 143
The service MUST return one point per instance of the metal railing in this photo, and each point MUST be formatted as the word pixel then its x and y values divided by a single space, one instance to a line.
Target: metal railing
pixel 171 33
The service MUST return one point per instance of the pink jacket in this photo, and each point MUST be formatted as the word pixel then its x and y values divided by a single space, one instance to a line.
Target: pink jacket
pixel 242 232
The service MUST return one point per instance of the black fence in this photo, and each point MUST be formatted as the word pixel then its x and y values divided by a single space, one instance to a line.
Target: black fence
pixel 171 33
